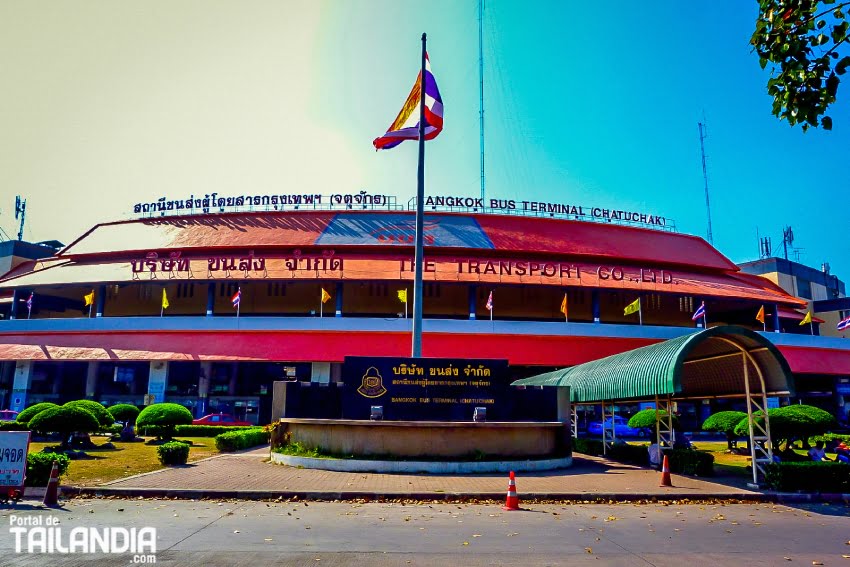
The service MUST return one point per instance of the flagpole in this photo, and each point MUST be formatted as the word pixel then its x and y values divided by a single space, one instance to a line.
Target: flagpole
pixel 416 350
pixel 640 311
pixel 812 327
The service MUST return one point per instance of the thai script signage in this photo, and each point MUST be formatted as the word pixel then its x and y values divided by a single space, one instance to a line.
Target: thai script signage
pixel 13 457
pixel 416 389
pixel 213 202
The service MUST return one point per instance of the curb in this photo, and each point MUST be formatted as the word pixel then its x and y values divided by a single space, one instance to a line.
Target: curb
pixel 421 467
pixel 198 494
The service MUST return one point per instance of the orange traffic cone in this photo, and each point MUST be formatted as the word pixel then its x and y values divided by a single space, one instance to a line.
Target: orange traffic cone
pixel 51 495
pixel 512 501
pixel 665 473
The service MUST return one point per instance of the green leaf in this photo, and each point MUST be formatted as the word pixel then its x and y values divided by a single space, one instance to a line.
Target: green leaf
pixel 832 84
pixel 821 24
pixel 826 121
pixel 842 65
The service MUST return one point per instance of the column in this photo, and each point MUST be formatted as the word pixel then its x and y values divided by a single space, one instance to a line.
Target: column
pixel 21 384
pixel 321 372
pixel 338 299
pixel 99 300
pixel 595 306
pixel 204 378
pixel 14 306
pixel 157 381
pixel 776 327
pixel 91 379
pixel 473 297
pixel 234 376
pixel 210 298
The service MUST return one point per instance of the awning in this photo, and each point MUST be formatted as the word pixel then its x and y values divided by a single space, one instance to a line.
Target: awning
pixel 704 364
pixel 794 315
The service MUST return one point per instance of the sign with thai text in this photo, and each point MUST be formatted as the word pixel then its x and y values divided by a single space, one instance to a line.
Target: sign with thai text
pixel 416 389
pixel 13 457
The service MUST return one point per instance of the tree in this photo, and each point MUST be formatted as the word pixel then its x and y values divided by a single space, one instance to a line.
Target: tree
pixel 806 41
pixel 104 418
pixel 125 413
pixel 724 422
pixel 35 409
pixel 645 419
pixel 164 418
pixel 65 420
pixel 792 422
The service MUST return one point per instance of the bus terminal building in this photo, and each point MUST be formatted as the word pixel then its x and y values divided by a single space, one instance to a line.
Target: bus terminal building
pixel 209 305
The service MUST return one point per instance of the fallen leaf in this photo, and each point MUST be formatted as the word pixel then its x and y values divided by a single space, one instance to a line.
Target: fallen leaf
pixel 467 543
pixel 479 535
pixel 813 562
pixel 590 549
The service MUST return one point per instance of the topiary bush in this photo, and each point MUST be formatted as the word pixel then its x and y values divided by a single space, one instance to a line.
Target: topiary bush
pixel 690 462
pixel 208 430
pixel 725 422
pixel 39 466
pixel 65 420
pixel 125 413
pixel 12 426
pixel 808 477
pixel 104 418
pixel 625 453
pixel 173 453
pixel 29 413
pixel 645 419
pixel 164 418
pixel 591 447
pixel 792 422
pixel 236 440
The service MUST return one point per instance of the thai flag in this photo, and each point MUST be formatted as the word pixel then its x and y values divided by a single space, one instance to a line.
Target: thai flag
pixel 237 298
pixel 700 312
pixel 29 300
pixel 844 324
pixel 490 302
pixel 406 124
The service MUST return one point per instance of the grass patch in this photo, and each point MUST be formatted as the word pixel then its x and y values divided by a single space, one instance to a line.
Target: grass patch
pixel 126 459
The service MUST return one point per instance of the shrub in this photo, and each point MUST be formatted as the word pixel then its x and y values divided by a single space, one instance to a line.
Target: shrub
pixel 104 418
pixel 724 422
pixel 625 453
pixel 792 422
pixel 591 447
pixel 12 426
pixel 39 466
pixel 65 420
pixel 164 417
pixel 809 477
pixel 126 413
pixel 208 430
pixel 236 440
pixel 29 413
pixel 173 453
pixel 690 462
pixel 645 419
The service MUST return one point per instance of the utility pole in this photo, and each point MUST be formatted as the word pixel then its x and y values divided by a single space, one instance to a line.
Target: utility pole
pixel 481 88
pixel 702 137
pixel 20 211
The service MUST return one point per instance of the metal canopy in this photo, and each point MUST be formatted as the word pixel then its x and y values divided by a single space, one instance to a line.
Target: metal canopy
pixel 703 364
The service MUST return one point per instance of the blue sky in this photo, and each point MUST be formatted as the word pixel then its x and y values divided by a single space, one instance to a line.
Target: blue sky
pixel 111 104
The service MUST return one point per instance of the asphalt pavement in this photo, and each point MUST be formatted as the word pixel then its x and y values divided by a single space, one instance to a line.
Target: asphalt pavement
pixel 252 533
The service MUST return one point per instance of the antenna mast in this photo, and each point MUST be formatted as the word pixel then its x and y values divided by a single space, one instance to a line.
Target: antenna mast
pixel 702 137
pixel 20 211
pixel 481 87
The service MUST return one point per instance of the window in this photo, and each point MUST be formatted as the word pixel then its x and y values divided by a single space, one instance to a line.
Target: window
pixel 804 289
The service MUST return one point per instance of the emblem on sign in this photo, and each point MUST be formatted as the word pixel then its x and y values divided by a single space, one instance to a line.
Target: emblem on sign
pixel 372 385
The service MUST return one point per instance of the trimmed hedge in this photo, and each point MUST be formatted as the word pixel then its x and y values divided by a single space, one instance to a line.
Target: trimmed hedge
pixel 124 412
pixel 808 477
pixel 690 462
pixel 827 437
pixel 591 447
pixel 173 453
pixel 634 454
pixel 164 417
pixel 13 426
pixel 35 409
pixel 236 440
pixel 39 466
pixel 104 418
pixel 64 419
pixel 209 430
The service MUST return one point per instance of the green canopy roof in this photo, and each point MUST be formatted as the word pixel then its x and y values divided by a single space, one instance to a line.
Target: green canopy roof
pixel 707 363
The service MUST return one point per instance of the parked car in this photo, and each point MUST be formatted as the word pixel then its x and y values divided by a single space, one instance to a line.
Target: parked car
pixel 219 419
pixel 621 428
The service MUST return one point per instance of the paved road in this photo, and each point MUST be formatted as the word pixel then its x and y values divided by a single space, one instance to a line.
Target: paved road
pixel 209 533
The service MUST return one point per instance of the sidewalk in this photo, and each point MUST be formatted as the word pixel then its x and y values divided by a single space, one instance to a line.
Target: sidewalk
pixel 248 475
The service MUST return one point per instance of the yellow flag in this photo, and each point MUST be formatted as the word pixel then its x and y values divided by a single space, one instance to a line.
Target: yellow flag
pixel 164 299
pixel 632 307
pixel 760 315
pixel 402 295
pixel 564 305
pixel 89 298
pixel 806 319
pixel 325 296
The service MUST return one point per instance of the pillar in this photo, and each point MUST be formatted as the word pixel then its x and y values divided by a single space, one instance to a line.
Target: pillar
pixel 157 381
pixel 204 379
pixel 91 379
pixel 595 305
pixel 99 300
pixel 338 299
pixel 14 307
pixel 234 376
pixel 321 372
pixel 776 327
pixel 210 298
pixel 21 384
pixel 473 297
